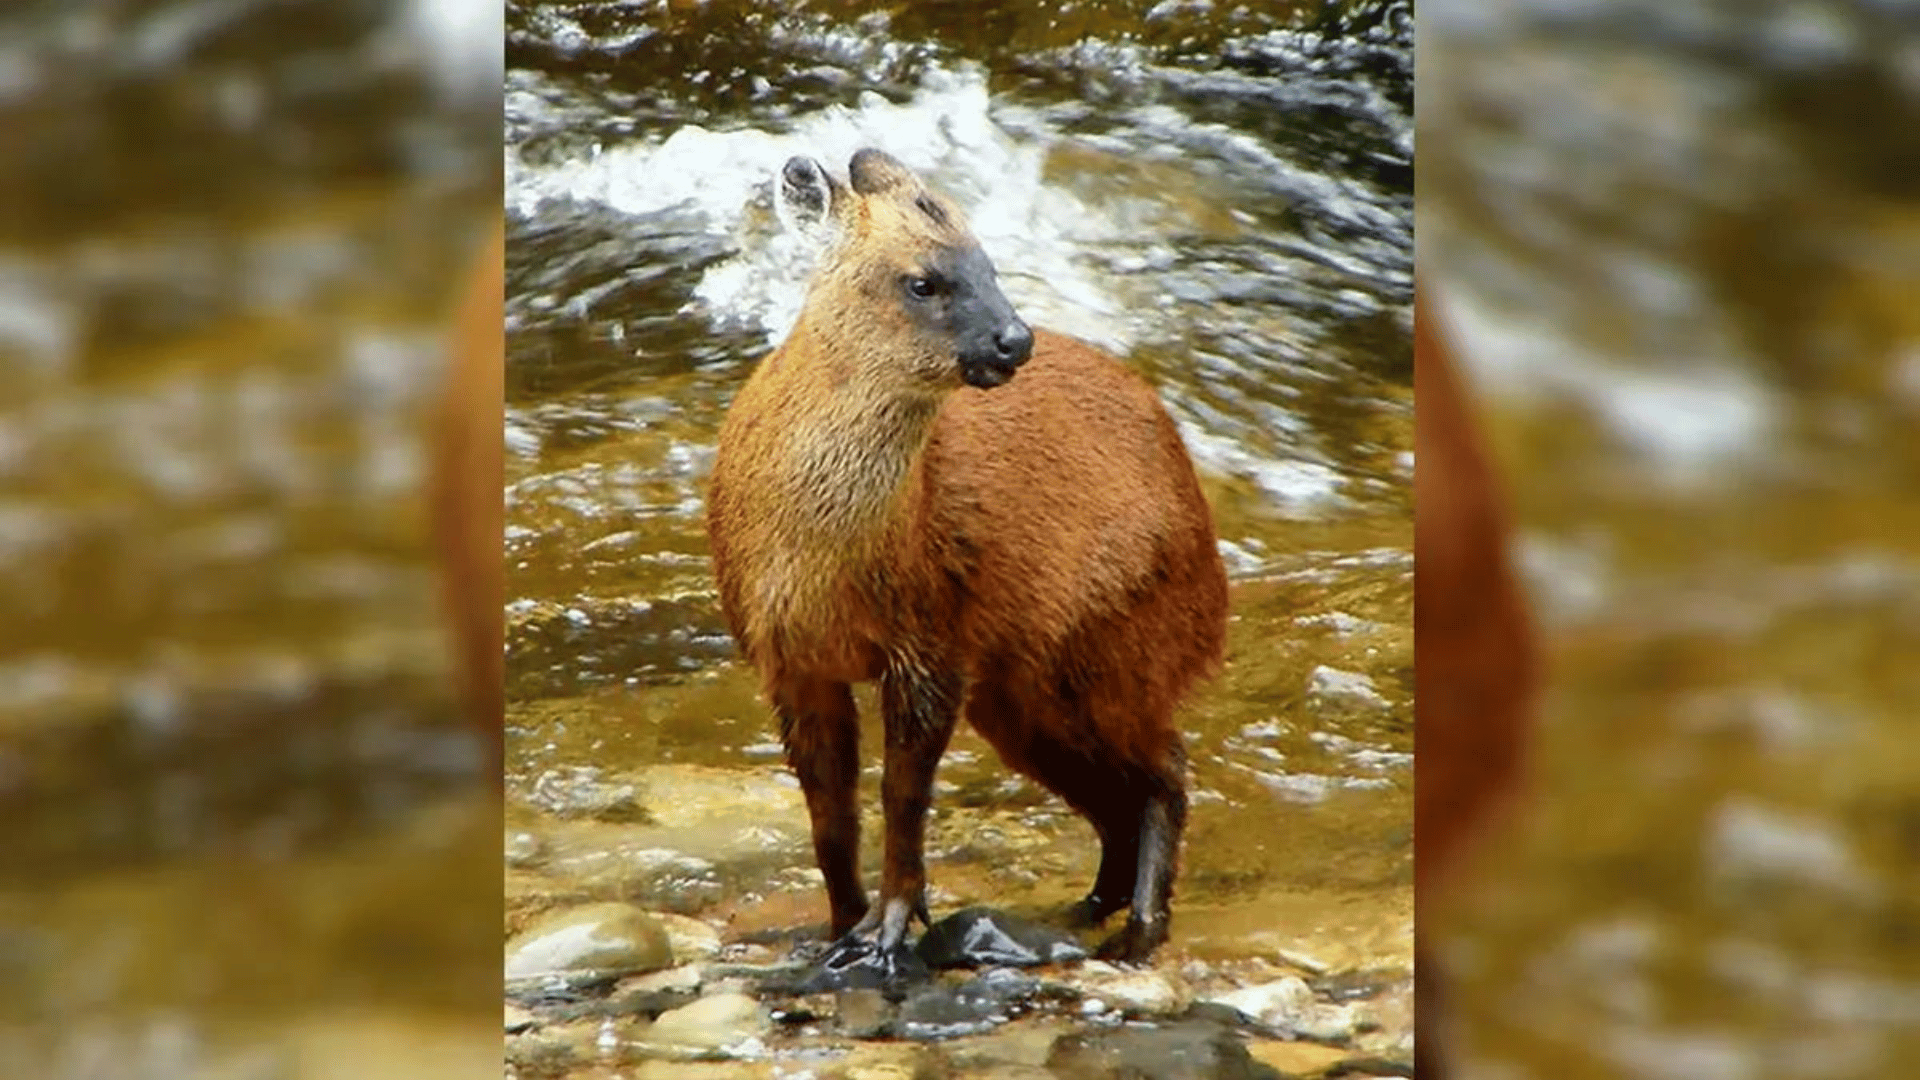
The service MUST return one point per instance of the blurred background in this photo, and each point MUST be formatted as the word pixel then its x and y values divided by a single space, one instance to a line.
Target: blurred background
pixel 247 833
pixel 1679 248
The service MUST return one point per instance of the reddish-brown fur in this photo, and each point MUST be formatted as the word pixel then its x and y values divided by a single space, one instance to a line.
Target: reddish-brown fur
pixel 466 504
pixel 1476 663
pixel 1038 555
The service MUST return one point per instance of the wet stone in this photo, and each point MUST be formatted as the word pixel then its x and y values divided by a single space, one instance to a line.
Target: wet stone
pixel 719 1022
pixel 978 937
pixel 691 938
pixel 856 965
pixel 553 1049
pixel 560 988
pixel 1179 1051
pixel 607 938
pixel 1146 992
pixel 1289 1005
pixel 683 979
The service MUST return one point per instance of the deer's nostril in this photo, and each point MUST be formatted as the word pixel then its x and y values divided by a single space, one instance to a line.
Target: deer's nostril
pixel 1014 342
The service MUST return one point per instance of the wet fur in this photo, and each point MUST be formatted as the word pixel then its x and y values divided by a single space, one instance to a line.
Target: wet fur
pixel 1037 556
pixel 1477 665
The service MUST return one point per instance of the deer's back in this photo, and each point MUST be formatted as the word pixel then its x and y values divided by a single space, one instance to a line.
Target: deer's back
pixel 1064 495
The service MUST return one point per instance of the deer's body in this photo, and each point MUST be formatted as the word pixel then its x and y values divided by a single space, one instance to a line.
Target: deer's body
pixel 1477 664
pixel 1037 555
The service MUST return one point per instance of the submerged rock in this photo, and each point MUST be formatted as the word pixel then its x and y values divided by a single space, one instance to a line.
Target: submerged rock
pixel 1180 1051
pixel 980 937
pixel 609 939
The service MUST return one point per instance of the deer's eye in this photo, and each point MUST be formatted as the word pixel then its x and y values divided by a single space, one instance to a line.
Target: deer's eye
pixel 923 288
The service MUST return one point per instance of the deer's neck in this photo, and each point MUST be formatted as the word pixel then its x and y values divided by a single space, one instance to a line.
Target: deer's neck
pixel 852 459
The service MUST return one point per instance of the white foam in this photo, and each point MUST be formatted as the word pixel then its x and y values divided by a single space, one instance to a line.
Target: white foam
pixel 946 132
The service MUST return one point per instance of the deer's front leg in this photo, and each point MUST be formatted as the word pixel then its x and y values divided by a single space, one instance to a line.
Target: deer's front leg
pixel 921 704
pixel 821 731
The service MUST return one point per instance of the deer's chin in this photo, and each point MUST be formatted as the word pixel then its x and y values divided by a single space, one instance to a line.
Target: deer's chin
pixel 984 376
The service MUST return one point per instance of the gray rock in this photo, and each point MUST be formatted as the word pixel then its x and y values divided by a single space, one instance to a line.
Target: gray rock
pixel 976 937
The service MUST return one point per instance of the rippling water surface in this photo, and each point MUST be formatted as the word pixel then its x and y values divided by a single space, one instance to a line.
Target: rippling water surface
pixel 1221 194
pixel 1683 245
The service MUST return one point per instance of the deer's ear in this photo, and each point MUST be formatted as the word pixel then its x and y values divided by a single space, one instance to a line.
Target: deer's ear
pixel 807 199
pixel 876 171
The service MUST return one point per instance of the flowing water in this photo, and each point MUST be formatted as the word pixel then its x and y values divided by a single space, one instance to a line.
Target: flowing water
pixel 242 818
pixel 1682 244
pixel 1220 194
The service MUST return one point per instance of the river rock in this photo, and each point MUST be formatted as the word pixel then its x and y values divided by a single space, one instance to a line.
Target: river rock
pixel 1288 1004
pixel 692 939
pixel 716 1022
pixel 612 938
pixel 977 937
pixel 1179 1051
pixel 1146 992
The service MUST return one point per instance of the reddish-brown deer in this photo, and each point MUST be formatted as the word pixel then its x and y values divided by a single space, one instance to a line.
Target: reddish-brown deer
pixel 915 488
